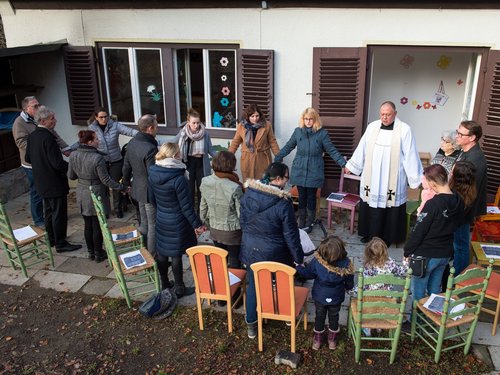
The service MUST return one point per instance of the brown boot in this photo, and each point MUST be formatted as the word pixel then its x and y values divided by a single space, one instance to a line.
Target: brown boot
pixel 332 335
pixel 317 339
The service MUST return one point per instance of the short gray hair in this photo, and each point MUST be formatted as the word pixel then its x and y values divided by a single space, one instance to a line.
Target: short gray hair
pixel 26 101
pixel 145 122
pixel 449 136
pixel 43 114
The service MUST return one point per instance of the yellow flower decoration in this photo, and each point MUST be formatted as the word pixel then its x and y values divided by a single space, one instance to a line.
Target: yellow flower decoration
pixel 414 102
pixel 443 62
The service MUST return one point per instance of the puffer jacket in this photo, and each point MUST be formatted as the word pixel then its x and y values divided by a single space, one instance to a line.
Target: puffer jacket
pixel 175 217
pixel 268 224
pixel 330 282
pixel 220 203
pixel 108 140
pixel 308 166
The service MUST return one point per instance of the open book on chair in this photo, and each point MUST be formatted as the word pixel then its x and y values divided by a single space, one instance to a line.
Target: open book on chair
pixel 344 197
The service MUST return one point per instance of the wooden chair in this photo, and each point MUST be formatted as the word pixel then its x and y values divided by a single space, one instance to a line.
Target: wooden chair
pixel 378 309
pixel 434 329
pixel 212 280
pixel 25 253
pixel 486 228
pixel 492 293
pixel 496 202
pixel 347 205
pixel 135 281
pixel 294 193
pixel 278 298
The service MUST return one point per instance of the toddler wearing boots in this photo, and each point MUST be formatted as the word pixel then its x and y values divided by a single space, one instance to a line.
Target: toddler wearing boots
pixel 333 274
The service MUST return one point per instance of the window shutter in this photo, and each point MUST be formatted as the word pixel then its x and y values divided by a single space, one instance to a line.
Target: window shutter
pixel 256 80
pixel 339 76
pixel 489 119
pixel 81 80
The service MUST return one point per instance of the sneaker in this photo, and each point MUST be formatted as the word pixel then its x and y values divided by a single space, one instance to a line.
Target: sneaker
pixel 252 330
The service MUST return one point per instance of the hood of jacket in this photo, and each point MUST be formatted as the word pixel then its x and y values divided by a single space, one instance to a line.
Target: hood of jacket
pixel 265 195
pixel 452 207
pixel 160 175
pixel 345 266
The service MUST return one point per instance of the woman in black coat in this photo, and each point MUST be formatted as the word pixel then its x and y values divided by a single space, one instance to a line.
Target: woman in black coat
pixel 175 217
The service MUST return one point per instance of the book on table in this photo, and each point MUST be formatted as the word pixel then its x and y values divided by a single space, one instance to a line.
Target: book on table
pixel 336 197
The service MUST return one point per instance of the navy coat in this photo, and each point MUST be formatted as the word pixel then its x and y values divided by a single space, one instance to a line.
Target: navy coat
pixel 268 225
pixel 330 283
pixel 308 166
pixel 175 217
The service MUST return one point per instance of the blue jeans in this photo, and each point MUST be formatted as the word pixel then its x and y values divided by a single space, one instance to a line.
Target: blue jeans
pixel 431 282
pixel 461 243
pixel 148 226
pixel 251 301
pixel 36 201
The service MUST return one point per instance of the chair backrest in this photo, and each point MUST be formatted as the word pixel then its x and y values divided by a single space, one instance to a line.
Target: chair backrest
pixel 344 176
pixel 5 227
pixel 382 304
pixel 275 289
pixel 456 295
pixel 209 267
pixel 497 197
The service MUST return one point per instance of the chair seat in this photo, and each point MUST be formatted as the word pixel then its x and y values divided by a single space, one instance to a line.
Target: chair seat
pixel 147 257
pixel 240 274
pixel 493 289
pixel 301 294
pixel 375 323
pixel 40 233
pixel 436 318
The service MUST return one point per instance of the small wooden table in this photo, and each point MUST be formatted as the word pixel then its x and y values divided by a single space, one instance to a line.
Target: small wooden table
pixel 477 252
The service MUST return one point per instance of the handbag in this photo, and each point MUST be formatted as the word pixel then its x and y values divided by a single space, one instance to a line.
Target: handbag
pixel 418 265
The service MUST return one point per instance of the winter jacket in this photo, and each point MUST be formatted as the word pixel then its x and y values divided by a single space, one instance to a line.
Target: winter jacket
pixel 330 282
pixel 432 236
pixel 476 156
pixel 268 224
pixel 49 167
pixel 254 164
pixel 308 166
pixel 220 203
pixel 447 161
pixel 175 217
pixel 108 140
pixel 88 166
pixel 209 150
pixel 140 155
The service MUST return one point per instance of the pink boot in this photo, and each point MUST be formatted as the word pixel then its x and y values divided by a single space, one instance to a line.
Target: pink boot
pixel 317 339
pixel 331 338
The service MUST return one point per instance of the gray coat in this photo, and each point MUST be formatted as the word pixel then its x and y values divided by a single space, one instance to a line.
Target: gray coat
pixel 88 166
pixel 140 155
pixel 108 140
pixel 209 150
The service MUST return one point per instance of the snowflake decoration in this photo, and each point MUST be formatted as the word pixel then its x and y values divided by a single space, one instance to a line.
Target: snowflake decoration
pixel 225 91
pixel 224 61
pixel 224 102
pixel 443 62
pixel 427 105
pixel 151 88
pixel 216 120
pixel 404 100
pixel 459 82
pixel 406 61
pixel 223 78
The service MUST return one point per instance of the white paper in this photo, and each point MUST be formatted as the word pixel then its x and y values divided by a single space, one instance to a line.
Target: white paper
pixel 128 235
pixel 233 279
pixel 435 303
pixel 492 210
pixel 307 244
pixel 24 233
pixel 135 257
pixel 491 250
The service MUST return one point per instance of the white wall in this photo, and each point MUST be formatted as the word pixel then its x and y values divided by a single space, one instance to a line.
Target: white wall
pixel 291 33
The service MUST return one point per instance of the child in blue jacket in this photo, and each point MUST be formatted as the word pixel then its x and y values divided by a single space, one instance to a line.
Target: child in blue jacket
pixel 333 274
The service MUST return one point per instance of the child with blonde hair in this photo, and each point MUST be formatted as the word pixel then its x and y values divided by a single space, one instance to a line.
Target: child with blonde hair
pixel 333 274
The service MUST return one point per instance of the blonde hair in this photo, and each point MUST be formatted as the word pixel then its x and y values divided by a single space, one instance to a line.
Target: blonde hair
pixel 167 150
pixel 192 113
pixel 376 253
pixel 311 112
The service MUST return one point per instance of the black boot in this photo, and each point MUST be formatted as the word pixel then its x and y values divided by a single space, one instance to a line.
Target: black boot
pixel 311 217
pixel 302 217
pixel 100 256
pixel 163 271
pixel 91 254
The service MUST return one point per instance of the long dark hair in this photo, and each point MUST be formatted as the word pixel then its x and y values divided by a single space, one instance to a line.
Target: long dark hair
pixel 273 171
pixel 463 181
pixel 250 110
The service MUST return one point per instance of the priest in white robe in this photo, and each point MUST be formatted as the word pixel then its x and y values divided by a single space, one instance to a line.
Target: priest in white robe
pixel 388 161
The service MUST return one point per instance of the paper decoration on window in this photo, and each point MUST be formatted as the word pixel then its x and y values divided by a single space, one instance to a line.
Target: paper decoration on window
pixel 223 78
pixel 427 105
pixel 225 91
pixel 414 102
pixel 407 61
pixel 418 107
pixel 404 100
pixel 440 96
pixel 434 106
pixel 224 102
pixel 216 120
pixel 443 62
pixel 224 61
pixel 459 82
pixel 155 95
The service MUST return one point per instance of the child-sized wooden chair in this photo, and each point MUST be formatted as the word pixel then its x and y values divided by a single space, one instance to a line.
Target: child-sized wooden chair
pixel 278 298
pixel 378 309
pixel 212 280
pixel 27 252
pixel 434 329
pixel 134 281
pixel 345 204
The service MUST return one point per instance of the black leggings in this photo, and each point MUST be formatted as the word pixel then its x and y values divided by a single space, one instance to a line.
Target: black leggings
pixel 164 263
pixel 333 316
pixel 92 234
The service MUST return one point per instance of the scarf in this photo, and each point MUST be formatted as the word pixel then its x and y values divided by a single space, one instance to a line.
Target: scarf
pixel 27 118
pixel 250 133
pixel 393 167
pixel 192 144
pixel 230 176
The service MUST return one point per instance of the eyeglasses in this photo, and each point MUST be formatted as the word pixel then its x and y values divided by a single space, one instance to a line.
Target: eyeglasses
pixel 287 177
pixel 103 116
pixel 462 134
pixel 445 140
